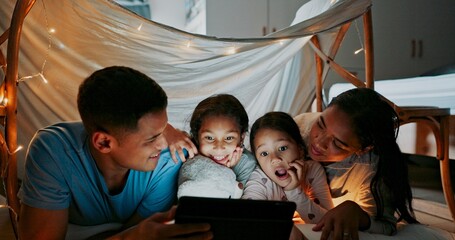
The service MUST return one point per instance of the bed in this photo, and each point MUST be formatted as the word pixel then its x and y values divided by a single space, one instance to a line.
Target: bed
pixel 53 45
pixel 436 90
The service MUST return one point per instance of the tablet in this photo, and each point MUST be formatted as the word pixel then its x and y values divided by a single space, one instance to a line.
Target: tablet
pixel 238 218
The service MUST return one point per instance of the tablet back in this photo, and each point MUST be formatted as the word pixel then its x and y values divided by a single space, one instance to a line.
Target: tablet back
pixel 239 218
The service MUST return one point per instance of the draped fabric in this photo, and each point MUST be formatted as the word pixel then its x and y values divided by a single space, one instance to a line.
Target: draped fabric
pixel 63 41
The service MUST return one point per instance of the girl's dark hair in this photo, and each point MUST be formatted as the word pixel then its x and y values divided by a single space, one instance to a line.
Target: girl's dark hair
pixel 218 105
pixel 279 121
pixel 113 99
pixel 376 124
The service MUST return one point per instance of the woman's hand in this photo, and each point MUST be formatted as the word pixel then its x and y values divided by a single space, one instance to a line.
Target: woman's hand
pixel 235 158
pixel 177 141
pixel 298 172
pixel 157 226
pixel 343 222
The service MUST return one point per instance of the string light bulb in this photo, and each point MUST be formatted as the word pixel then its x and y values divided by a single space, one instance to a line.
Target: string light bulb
pixel 43 78
pixel 231 50
pixel 360 39
pixel 140 27
pixel 358 51
pixel 20 147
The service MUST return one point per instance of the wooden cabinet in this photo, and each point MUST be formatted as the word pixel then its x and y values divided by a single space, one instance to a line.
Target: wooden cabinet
pixel 411 37
pixel 249 18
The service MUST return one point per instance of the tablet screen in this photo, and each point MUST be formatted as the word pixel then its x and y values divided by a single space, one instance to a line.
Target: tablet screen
pixel 238 218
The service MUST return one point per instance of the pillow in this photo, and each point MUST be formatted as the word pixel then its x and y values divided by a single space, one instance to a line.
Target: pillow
pixel 202 177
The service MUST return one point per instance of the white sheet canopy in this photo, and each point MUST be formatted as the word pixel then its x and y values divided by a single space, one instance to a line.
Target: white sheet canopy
pixel 63 41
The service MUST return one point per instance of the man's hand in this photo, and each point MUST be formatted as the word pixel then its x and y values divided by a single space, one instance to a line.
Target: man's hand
pixel 177 141
pixel 157 226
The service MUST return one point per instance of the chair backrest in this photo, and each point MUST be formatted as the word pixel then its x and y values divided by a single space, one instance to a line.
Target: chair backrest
pixel 328 59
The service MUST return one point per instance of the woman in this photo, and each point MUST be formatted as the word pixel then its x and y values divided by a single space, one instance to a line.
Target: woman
pixel 355 138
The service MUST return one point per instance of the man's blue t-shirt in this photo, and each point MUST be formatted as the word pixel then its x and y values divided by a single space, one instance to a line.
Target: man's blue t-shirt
pixel 61 173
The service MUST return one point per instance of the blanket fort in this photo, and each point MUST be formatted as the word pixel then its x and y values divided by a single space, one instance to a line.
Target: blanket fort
pixel 63 41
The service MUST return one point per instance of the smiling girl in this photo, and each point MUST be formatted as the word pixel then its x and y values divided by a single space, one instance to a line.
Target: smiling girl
pixel 218 127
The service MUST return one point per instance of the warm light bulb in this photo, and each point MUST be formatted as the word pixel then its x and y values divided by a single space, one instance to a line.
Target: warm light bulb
pixel 140 27
pixel 42 77
pixel 17 149
pixel 358 51
pixel 231 51
pixel 51 30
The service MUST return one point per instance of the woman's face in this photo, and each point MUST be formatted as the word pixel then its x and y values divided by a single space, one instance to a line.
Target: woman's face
pixel 332 138
pixel 218 138
pixel 274 151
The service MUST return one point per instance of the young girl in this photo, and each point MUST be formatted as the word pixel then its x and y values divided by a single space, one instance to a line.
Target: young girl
pixel 218 127
pixel 283 174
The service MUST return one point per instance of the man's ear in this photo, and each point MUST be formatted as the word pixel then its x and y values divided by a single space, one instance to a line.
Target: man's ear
pixel 102 142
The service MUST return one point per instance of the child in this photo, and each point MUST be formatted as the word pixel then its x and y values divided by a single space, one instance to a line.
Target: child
pixel 218 127
pixel 282 173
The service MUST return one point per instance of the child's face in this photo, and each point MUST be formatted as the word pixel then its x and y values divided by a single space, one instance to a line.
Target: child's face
pixel 218 138
pixel 274 151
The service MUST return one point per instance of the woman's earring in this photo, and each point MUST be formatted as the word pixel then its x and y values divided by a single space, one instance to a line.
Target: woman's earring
pixel 365 150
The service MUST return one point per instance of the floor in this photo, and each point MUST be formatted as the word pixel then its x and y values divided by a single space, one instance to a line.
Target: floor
pixel 429 203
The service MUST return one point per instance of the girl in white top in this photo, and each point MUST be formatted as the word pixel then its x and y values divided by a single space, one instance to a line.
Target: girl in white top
pixel 283 174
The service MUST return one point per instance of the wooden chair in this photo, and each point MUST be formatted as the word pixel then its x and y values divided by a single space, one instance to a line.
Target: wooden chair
pixel 436 118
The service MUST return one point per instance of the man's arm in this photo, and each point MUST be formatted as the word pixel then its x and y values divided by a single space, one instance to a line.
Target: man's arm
pixel 37 223
pixel 177 141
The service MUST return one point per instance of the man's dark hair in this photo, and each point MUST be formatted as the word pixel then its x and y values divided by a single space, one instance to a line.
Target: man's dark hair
pixel 113 99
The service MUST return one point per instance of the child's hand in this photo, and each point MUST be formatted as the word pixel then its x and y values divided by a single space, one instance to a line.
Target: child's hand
pixel 235 158
pixel 298 172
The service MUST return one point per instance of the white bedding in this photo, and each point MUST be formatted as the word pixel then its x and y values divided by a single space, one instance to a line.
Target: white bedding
pixel 436 91
pixel 405 232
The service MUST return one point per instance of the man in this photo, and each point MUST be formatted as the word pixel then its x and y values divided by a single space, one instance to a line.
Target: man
pixel 114 166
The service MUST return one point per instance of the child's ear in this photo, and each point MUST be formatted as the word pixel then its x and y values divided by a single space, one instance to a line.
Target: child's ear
pixel 242 138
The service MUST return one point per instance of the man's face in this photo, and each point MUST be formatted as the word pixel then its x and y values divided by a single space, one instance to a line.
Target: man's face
pixel 140 150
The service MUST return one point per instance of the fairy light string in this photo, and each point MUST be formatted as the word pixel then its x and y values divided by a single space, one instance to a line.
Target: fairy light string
pixel 49 31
